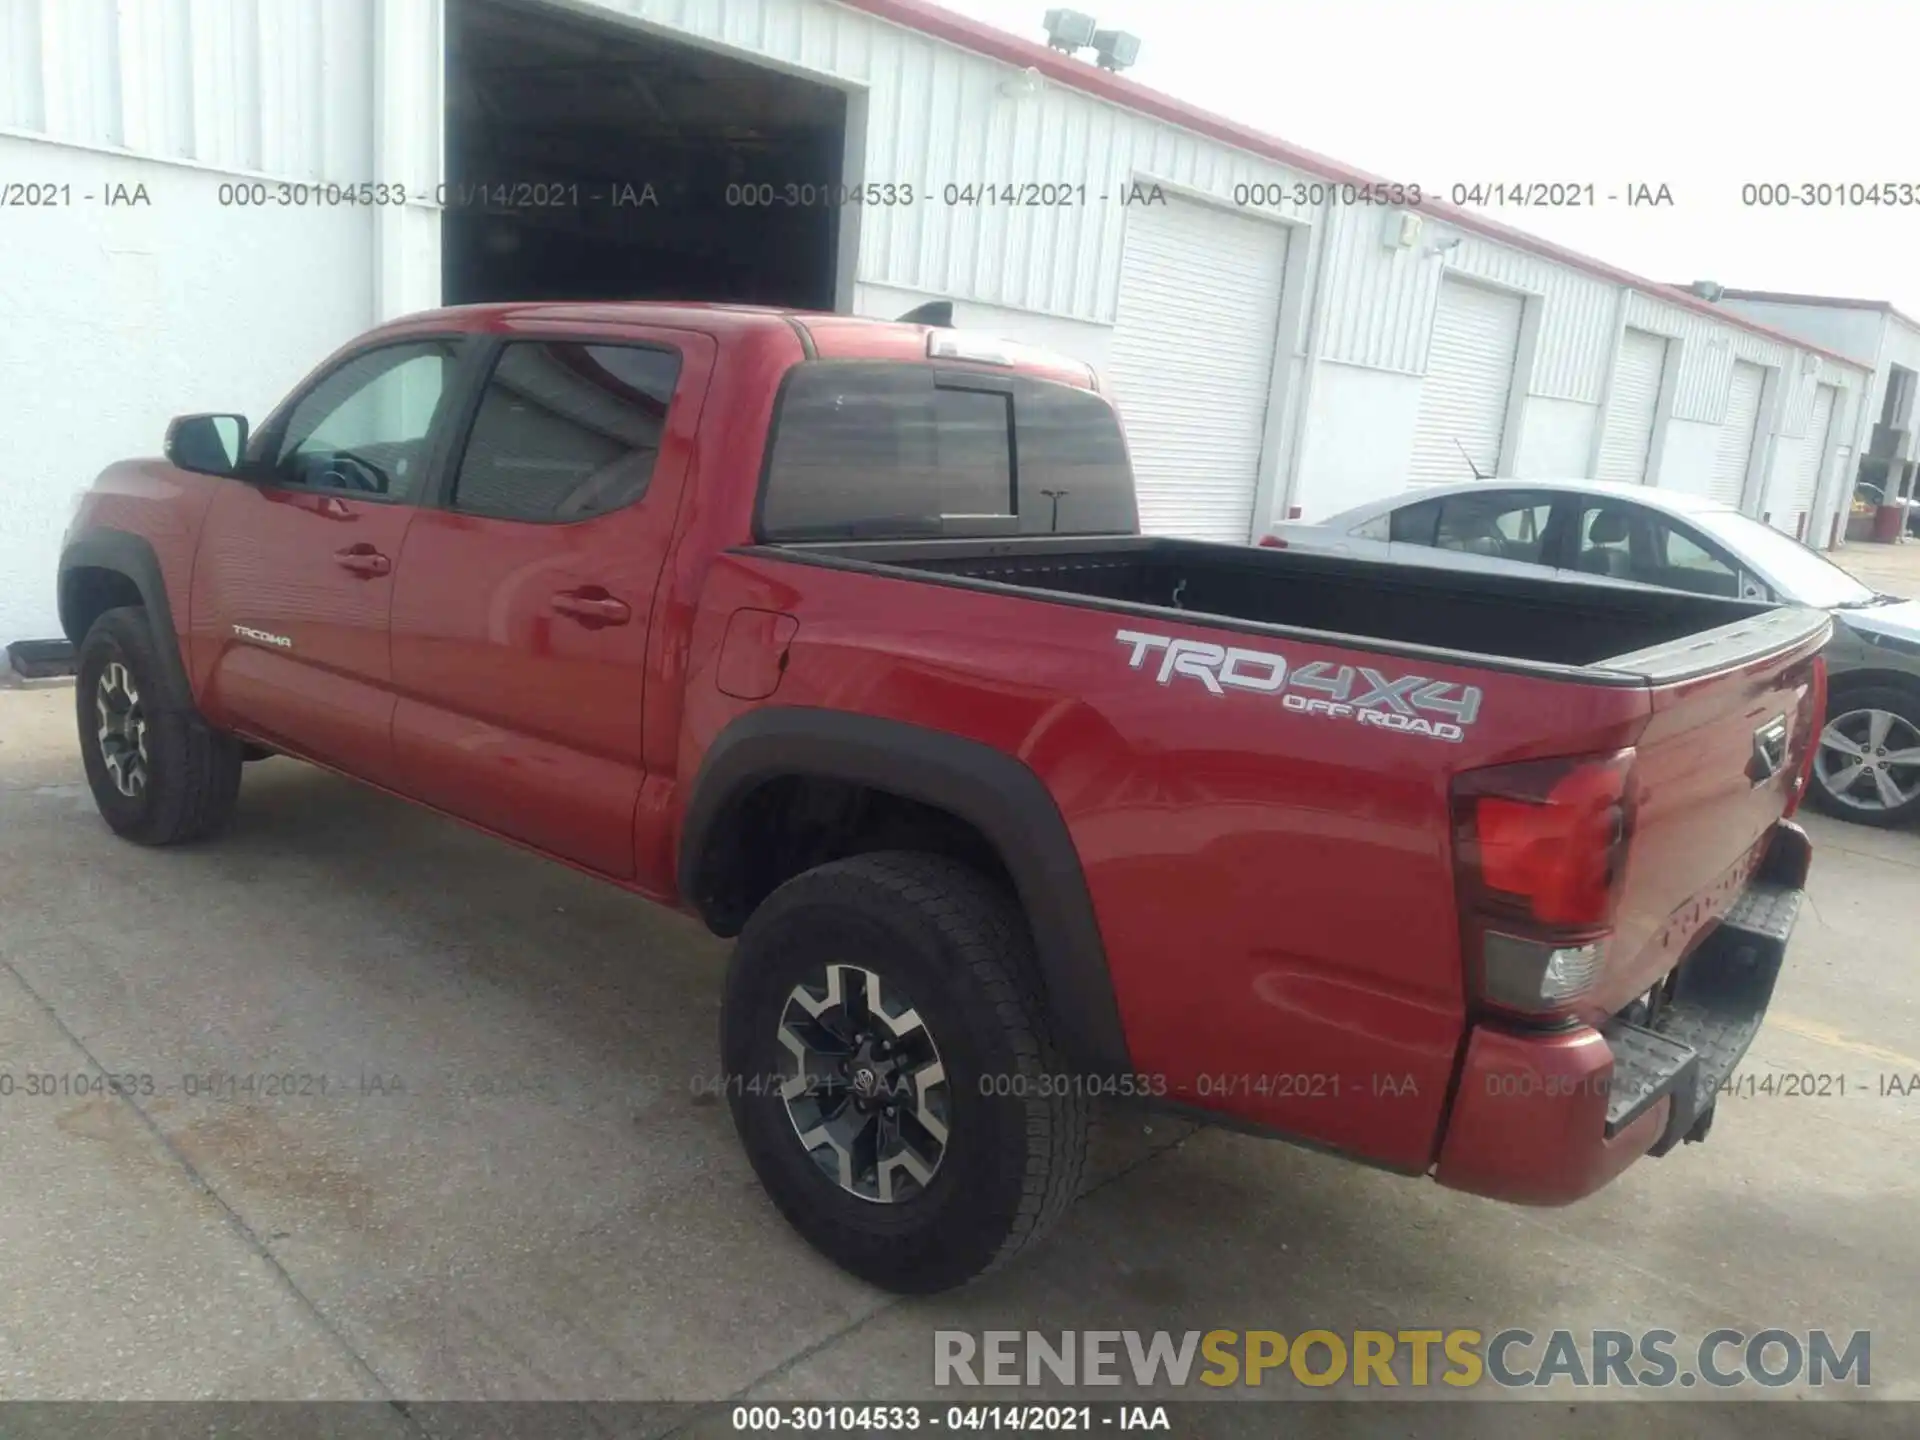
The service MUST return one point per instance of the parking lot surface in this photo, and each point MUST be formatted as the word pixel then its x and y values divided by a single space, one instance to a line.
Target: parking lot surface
pixel 1894 568
pixel 411 1113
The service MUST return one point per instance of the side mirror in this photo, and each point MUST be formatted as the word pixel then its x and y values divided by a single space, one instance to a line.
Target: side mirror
pixel 208 444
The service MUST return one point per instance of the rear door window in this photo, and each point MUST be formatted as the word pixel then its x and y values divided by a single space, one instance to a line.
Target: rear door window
pixel 566 431
pixel 1677 550
pixel 885 450
pixel 1502 525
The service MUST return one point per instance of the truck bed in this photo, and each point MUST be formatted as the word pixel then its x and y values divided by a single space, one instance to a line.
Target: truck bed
pixel 1634 632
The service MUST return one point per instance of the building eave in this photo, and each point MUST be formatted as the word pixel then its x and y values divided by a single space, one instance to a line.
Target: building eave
pixel 1010 49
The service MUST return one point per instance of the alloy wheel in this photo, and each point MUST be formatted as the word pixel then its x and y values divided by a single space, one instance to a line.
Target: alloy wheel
pixel 123 729
pixel 868 1092
pixel 1870 760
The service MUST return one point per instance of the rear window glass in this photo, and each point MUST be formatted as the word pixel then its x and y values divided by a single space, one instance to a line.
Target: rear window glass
pixel 1416 524
pixel 884 450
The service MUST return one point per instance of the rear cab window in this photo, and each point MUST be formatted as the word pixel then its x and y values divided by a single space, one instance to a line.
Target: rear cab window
pixel 896 450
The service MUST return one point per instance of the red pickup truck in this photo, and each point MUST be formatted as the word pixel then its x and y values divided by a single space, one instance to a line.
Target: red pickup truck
pixel 840 635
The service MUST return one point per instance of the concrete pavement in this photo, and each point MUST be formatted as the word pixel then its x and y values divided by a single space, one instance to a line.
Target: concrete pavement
pixel 422 1126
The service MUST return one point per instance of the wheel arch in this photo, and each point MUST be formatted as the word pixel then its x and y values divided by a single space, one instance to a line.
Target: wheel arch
pixel 990 793
pixel 106 569
pixel 1868 677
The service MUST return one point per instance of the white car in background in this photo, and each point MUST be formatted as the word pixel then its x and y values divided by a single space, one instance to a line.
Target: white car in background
pixel 1867 767
pixel 1583 528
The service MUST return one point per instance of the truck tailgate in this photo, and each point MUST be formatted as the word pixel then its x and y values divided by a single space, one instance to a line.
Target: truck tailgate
pixel 1721 760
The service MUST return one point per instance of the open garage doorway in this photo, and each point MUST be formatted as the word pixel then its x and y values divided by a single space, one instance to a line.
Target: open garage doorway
pixel 587 159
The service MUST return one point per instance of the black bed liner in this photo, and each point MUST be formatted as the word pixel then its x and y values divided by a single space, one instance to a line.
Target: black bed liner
pixel 1598 630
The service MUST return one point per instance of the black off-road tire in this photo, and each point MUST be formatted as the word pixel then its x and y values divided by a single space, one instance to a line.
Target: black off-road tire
pixel 1896 700
pixel 192 772
pixel 955 944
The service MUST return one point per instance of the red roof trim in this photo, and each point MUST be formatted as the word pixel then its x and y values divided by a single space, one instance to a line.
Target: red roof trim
pixel 997 44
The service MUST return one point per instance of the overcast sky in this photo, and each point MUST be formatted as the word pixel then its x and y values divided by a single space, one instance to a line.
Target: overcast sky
pixel 1702 95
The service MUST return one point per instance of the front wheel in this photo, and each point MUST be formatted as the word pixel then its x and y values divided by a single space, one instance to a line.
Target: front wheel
pixel 158 773
pixel 1868 765
pixel 891 1071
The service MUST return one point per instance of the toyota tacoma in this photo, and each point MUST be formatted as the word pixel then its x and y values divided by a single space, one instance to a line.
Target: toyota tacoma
pixel 841 635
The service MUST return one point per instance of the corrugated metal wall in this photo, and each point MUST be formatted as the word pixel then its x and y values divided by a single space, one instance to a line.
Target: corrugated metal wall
pixel 1707 353
pixel 1381 304
pixel 311 89
pixel 937 117
pixel 276 88
pixel 286 88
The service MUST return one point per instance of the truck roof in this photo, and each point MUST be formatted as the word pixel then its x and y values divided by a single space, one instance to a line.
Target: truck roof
pixel 822 335
pixel 502 314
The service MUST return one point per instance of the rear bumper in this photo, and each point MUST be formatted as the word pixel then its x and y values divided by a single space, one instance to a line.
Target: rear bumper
pixel 1545 1118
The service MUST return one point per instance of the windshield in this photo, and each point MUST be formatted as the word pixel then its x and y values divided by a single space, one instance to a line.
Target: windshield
pixel 1801 576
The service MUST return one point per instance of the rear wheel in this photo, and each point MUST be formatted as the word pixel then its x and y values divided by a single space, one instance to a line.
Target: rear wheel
pixel 159 774
pixel 1867 767
pixel 891 1071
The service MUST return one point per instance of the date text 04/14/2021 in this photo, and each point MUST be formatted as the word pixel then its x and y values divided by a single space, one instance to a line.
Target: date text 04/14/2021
pixel 870 1417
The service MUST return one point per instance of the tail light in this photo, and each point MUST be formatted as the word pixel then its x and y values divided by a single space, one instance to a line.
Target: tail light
pixel 1540 852
pixel 1808 721
pixel 1273 542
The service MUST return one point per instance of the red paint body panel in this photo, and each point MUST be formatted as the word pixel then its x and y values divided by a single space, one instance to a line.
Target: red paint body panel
pixel 270 561
pixel 1274 891
pixel 514 711
pixel 753 656
pixel 1529 1120
pixel 164 507
pixel 1700 823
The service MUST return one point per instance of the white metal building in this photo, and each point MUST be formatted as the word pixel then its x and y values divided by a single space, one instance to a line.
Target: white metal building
pixel 1287 357
pixel 1879 337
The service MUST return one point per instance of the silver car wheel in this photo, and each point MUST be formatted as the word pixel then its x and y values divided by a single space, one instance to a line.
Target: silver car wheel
pixel 1869 760
pixel 123 729
pixel 868 1092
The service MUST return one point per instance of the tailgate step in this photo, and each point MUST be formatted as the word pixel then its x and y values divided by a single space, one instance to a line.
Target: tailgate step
pixel 1646 1066
pixel 1718 1001
pixel 1764 911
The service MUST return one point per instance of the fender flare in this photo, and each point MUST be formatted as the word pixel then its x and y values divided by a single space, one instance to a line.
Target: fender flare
pixel 132 556
pixel 989 789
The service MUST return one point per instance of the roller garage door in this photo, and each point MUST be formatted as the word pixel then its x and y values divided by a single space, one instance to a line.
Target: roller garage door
pixel 1806 475
pixel 1628 440
pixel 1735 449
pixel 1192 363
pixel 1463 400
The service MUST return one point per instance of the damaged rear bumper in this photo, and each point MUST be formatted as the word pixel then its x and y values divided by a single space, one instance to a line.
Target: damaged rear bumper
pixel 1546 1118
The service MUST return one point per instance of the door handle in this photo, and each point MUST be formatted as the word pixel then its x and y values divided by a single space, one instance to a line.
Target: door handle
pixel 593 606
pixel 363 559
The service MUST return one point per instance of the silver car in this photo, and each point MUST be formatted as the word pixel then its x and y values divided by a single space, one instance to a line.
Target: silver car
pixel 1868 765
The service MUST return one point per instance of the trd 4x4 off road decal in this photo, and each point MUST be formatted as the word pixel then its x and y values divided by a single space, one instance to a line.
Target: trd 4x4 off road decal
pixel 1334 692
